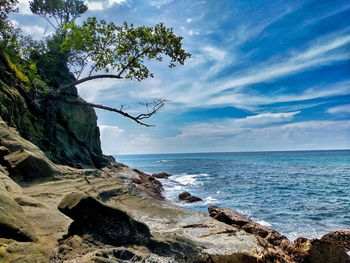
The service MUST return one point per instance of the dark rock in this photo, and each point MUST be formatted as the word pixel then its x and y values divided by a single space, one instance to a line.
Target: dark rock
pixel 106 223
pixel 148 184
pixel 187 197
pixel 161 175
pixel 319 251
pixel 341 237
pixel 228 216
pixel 4 151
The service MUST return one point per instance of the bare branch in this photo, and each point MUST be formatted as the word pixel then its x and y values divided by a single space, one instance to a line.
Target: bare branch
pixel 77 82
pixel 48 20
pixel 156 106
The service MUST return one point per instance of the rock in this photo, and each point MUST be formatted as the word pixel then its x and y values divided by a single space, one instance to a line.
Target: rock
pixel 110 224
pixel 13 222
pixel 161 175
pixel 67 133
pixel 231 217
pixel 187 197
pixel 341 237
pixel 28 165
pixel 228 216
pixel 148 184
pixel 25 155
pixel 319 251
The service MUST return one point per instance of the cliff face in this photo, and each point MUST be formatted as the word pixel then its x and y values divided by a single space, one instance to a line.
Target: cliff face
pixel 68 134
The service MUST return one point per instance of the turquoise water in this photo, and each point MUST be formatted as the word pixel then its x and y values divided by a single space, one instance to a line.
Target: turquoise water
pixel 302 193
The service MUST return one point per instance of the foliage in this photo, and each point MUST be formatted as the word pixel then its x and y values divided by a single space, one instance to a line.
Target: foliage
pixel 15 69
pixel 57 12
pixel 8 34
pixel 51 61
pixel 120 48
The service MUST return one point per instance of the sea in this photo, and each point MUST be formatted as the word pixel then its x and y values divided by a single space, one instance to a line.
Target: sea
pixel 297 193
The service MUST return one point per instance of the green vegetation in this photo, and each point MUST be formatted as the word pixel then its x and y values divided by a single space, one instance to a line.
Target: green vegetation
pixel 92 50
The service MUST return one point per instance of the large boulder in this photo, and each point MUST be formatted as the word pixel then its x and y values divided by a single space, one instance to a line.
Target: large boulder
pixel 109 224
pixel 319 251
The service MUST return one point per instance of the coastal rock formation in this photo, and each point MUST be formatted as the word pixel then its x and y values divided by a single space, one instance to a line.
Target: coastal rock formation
pixel 341 237
pixel 109 224
pixel 188 198
pixel 320 251
pixel 331 248
pixel 68 134
pixel 148 184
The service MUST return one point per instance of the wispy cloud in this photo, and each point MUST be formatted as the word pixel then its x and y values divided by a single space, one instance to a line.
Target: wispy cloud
pixel 316 55
pixel 339 109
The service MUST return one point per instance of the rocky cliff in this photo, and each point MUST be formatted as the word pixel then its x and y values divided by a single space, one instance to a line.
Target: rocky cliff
pixel 61 200
pixel 66 133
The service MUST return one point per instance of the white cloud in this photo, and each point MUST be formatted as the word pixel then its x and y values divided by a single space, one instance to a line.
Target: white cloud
pixel 247 101
pixel 109 138
pixel 339 109
pixel 189 20
pixel 37 32
pixel 101 5
pixel 95 6
pixel 307 135
pixel 23 7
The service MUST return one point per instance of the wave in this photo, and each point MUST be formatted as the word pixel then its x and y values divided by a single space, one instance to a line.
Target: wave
pixel 164 161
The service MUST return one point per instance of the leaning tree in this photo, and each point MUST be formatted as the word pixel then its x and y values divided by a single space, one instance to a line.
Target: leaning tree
pixel 97 49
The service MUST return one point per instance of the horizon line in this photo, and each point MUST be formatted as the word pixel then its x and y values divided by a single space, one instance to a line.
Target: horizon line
pixel 267 151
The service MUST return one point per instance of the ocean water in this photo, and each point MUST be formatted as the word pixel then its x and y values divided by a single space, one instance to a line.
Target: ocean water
pixel 301 193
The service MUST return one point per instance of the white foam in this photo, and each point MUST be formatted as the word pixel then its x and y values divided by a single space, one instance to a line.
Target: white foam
pixel 186 179
pixel 210 200
pixel 164 161
pixel 262 222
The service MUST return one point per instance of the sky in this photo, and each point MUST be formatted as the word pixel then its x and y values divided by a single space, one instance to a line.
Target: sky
pixel 263 76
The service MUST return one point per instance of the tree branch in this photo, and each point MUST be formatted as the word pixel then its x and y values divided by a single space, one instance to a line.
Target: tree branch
pixel 101 76
pixel 157 105
pixel 48 20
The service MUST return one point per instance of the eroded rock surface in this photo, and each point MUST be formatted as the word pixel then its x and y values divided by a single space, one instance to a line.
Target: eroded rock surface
pixel 341 237
pixel 13 222
pixel 109 224
pixel 320 251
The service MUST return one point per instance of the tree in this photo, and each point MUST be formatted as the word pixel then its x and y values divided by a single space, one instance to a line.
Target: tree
pixel 58 12
pixel 7 33
pixel 97 49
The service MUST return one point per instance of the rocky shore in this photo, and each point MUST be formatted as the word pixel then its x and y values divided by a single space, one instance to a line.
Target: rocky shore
pixel 62 200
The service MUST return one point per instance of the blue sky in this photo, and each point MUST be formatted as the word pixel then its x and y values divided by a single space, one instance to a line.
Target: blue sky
pixel 264 75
